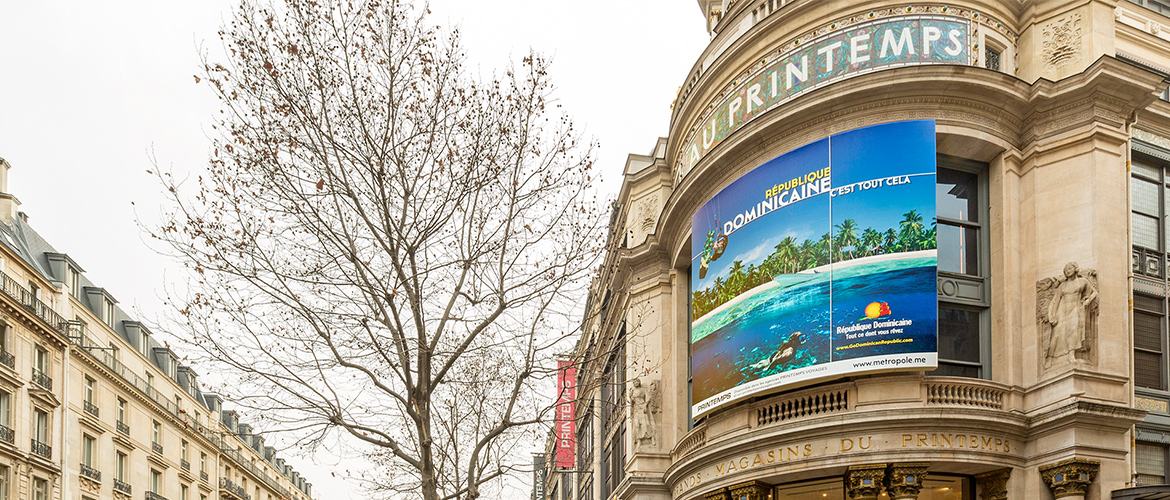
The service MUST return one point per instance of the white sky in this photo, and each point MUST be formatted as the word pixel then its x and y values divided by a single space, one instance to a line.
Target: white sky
pixel 89 89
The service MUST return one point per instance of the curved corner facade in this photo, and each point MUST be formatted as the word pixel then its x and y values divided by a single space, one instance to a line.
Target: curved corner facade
pixel 1052 135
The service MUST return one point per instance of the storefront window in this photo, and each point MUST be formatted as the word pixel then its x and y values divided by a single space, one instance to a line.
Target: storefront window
pixel 934 487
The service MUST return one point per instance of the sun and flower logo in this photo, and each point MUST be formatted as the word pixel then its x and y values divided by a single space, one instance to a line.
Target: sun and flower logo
pixel 876 310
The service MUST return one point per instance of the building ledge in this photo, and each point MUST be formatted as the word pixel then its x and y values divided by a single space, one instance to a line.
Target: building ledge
pixel 1157 492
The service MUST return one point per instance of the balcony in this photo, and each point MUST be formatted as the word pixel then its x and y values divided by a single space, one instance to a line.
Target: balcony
pixel 122 487
pixel 42 449
pixel 203 475
pixel 39 378
pixel 157 448
pixel 123 428
pixel 7 359
pixel 150 495
pixel 7 434
pixel 92 409
pixel 185 465
pixel 26 298
pixel 90 472
pixel 232 488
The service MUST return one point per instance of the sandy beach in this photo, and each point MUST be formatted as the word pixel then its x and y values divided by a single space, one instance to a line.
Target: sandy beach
pixel 816 270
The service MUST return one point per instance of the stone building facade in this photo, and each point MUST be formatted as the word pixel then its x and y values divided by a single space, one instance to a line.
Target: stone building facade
pixel 1054 128
pixel 93 406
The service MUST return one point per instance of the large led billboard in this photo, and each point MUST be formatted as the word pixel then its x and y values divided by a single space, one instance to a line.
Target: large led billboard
pixel 821 263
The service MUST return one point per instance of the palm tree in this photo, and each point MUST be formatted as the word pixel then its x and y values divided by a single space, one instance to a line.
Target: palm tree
pixel 871 240
pixel 847 235
pixel 786 254
pixel 808 255
pixel 735 278
pixel 890 240
pixel 910 234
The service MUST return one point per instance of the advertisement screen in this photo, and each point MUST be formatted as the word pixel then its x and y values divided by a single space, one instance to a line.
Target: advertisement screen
pixel 821 263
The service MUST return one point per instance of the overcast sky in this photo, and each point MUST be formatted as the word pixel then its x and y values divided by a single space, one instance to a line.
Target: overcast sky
pixel 91 90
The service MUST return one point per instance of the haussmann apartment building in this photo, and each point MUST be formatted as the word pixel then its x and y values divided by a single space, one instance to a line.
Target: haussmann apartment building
pixel 93 407
pixel 889 250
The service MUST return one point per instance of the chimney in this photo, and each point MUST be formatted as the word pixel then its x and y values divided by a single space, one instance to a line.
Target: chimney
pixel 8 203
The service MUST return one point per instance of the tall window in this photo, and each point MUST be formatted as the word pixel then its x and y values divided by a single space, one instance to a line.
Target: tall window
pixel 121 411
pixel 120 466
pixel 89 390
pixel 1150 461
pixel 183 492
pixel 88 450
pixel 960 197
pixel 74 280
pixel 41 360
pixel 109 313
pixel 202 462
pixel 183 451
pixel 41 425
pixel 5 337
pixel 155 481
pixel 156 433
pixel 115 352
pixel 5 408
pixel 40 489
pixel 4 482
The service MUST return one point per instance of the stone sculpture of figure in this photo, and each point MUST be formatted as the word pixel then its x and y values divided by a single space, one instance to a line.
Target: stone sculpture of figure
pixel 1070 314
pixel 643 405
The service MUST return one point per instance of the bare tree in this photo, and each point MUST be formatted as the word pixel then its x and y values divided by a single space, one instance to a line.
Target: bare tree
pixel 383 246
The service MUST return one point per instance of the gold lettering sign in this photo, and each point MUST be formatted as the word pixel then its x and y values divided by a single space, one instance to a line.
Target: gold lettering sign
pixel 845 445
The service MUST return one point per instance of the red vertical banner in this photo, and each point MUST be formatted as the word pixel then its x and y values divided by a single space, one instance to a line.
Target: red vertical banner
pixel 565 422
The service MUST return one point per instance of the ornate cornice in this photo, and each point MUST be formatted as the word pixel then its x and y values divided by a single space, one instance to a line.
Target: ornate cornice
pixel 864 482
pixel 904 480
pixel 994 484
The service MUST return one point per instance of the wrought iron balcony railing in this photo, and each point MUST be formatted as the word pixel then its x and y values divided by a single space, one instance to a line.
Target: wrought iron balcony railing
pixel 7 359
pixel 185 465
pixel 39 378
pixel 7 434
pixel 157 448
pixel 92 409
pixel 123 487
pixel 42 449
pixel 150 495
pixel 123 428
pixel 91 473
pixel 238 491
pixel 203 475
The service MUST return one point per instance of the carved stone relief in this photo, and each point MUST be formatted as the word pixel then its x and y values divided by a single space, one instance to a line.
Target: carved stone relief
pixel 645 405
pixel 1066 316
pixel 904 481
pixel 1070 478
pixel 864 482
pixel 642 219
pixel 993 485
pixel 1061 41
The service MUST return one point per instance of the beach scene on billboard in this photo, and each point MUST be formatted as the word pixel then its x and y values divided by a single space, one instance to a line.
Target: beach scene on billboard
pixel 821 263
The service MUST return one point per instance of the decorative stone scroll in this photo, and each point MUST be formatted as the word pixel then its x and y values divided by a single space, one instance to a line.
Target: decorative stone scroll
pixel 1070 478
pixel 1066 316
pixel 864 482
pixel 993 485
pixel 905 480
pixel 1061 41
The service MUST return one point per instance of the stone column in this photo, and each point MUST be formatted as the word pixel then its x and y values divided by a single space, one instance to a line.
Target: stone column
pixel 864 482
pixel 905 480
pixel 1070 478
pixel 993 485
pixel 751 490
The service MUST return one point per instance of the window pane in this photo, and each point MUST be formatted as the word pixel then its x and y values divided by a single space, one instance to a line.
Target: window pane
pixel 1151 463
pixel 1147 370
pixel 958 335
pixel 1150 171
pixel 824 489
pixel 1145 196
pixel 956 195
pixel 958 249
pixel 1147 331
pixel 953 370
pixel 935 487
pixel 1145 231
